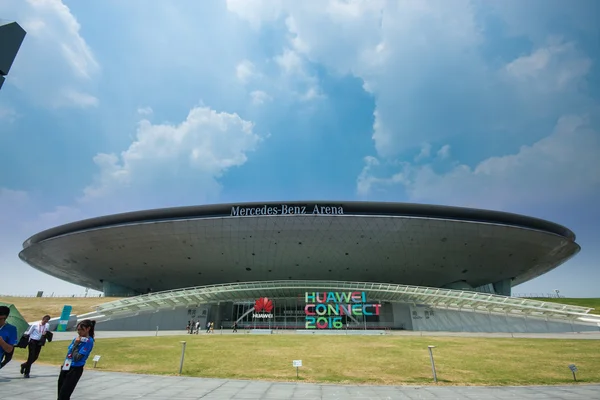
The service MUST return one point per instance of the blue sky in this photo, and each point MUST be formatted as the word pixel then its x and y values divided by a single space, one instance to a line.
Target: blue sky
pixel 115 106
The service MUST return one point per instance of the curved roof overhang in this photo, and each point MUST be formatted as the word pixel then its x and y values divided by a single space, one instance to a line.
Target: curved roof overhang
pixel 347 208
pixel 377 292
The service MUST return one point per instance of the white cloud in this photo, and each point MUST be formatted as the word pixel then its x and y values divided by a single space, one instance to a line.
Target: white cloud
pixel 368 182
pixel 166 165
pixel 290 62
pixel 54 65
pixel 424 153
pixel 256 11
pixel 422 61
pixel 556 67
pixel 71 97
pixel 444 152
pixel 398 49
pixel 296 76
pixel 145 111
pixel 562 166
pixel 366 179
pixel 259 97
pixel 340 35
pixel 245 71
pixel 182 159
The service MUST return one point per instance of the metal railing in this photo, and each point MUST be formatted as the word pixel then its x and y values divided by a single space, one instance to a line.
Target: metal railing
pixel 53 295
pixel 538 295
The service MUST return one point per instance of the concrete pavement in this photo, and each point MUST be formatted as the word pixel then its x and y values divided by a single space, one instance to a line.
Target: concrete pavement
pixel 98 385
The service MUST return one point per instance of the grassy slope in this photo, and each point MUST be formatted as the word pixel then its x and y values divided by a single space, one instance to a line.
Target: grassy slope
pixel 583 302
pixel 34 308
pixel 349 359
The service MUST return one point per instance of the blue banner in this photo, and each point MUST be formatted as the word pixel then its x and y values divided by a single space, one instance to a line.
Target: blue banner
pixel 64 319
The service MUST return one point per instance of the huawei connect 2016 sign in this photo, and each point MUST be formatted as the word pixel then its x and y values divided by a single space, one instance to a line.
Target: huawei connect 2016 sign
pixel 284 209
pixel 324 310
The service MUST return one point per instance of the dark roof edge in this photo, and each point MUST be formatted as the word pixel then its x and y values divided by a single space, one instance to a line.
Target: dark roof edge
pixel 350 208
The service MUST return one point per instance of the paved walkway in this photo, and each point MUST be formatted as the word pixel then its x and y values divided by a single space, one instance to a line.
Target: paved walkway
pixel 96 385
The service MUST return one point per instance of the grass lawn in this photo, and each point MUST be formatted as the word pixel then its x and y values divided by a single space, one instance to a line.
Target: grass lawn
pixel 34 308
pixel 348 359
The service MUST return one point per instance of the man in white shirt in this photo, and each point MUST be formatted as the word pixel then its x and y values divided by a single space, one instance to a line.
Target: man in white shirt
pixel 36 332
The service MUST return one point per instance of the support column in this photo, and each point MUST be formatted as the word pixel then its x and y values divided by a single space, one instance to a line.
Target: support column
pixel 113 290
pixel 503 287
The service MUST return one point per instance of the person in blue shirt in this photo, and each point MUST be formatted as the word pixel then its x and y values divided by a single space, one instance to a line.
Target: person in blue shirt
pixel 8 336
pixel 77 354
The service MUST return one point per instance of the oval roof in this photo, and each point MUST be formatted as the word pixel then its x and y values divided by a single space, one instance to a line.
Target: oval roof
pixel 305 207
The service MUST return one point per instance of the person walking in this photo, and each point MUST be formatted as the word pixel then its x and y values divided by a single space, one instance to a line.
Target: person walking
pixel 8 337
pixel 37 338
pixel 77 354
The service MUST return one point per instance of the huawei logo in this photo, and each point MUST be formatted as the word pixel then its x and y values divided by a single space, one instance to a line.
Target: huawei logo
pixel 263 304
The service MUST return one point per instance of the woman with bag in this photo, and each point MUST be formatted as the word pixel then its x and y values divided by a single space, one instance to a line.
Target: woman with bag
pixel 37 338
pixel 77 355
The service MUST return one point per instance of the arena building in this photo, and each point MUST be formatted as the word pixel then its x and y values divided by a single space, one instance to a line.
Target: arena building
pixel 314 265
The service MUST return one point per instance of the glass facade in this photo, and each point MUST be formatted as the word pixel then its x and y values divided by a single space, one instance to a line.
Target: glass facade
pixel 289 313
pixel 227 303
